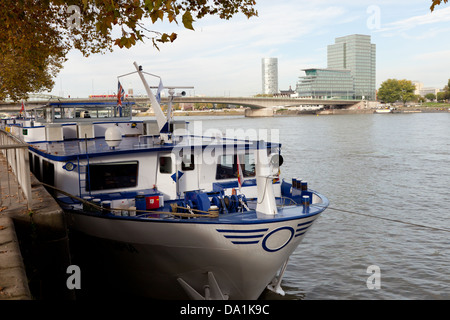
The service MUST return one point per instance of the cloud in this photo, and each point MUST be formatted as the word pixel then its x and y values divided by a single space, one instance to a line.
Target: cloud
pixel 433 56
pixel 429 67
pixel 437 16
pixel 223 57
pixel 220 57
pixel 231 51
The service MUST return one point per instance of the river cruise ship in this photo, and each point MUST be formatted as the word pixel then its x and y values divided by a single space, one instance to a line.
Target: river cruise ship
pixel 171 215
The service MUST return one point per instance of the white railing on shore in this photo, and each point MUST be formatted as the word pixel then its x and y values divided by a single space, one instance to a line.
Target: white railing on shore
pixel 16 154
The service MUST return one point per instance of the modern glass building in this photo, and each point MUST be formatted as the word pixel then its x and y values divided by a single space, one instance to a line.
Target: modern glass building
pixel 326 84
pixel 357 54
pixel 269 67
pixel 350 73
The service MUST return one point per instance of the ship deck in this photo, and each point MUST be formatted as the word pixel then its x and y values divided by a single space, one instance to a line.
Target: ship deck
pixel 285 213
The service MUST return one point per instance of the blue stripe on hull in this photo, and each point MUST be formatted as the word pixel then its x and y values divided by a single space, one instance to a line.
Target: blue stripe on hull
pixel 237 234
pixel 254 236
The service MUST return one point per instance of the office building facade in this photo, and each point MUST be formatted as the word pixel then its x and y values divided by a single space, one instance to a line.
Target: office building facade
pixel 350 73
pixel 326 84
pixel 357 54
pixel 269 68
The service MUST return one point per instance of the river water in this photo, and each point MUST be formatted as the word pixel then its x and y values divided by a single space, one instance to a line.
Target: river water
pixel 394 166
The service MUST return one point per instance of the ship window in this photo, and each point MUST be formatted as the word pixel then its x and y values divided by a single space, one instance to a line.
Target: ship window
pixel 165 164
pixel 188 162
pixel 249 165
pixel 227 166
pixel 113 175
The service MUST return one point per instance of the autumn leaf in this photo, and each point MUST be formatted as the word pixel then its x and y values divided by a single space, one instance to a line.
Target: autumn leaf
pixel 172 37
pixel 164 38
pixel 188 20
pixel 172 17
pixel 436 3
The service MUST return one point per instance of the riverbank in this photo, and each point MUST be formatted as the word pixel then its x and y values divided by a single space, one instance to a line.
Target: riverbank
pixel 422 109
pixel 292 112
pixel 219 112
pixel 397 110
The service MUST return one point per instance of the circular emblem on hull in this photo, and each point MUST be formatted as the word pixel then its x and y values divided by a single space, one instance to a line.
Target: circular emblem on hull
pixel 277 239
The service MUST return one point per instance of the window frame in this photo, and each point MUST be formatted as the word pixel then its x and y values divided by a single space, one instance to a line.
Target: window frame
pixel 224 172
pixel 103 180
pixel 191 165
pixel 170 161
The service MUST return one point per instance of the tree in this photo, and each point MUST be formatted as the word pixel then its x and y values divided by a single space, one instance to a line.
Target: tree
pixel 419 98
pixel 440 96
pixel 36 35
pixel 393 90
pixel 430 96
pixel 389 91
pixel 436 3
pixel 406 90
pixel 31 49
pixel 446 90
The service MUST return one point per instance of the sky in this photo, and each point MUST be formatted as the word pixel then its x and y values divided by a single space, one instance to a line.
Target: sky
pixel 223 57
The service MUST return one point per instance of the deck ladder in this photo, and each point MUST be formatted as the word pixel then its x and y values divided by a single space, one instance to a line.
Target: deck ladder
pixel 83 177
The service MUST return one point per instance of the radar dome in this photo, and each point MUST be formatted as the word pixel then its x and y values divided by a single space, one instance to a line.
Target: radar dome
pixel 113 136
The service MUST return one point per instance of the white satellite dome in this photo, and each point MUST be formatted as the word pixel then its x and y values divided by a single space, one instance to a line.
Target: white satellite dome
pixel 113 136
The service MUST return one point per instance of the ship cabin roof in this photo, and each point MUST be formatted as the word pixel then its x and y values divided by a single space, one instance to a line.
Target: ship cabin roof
pixel 83 148
pixel 76 130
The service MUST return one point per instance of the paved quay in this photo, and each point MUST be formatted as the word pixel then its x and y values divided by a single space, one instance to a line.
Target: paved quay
pixel 13 278
pixel 34 250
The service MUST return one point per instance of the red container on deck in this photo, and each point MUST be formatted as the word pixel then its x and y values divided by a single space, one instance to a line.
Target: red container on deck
pixel 152 202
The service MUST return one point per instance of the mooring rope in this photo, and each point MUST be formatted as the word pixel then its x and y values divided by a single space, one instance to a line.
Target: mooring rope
pixel 215 215
pixel 387 219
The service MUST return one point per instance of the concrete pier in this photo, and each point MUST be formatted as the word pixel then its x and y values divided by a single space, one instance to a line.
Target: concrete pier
pixel 263 112
pixel 34 251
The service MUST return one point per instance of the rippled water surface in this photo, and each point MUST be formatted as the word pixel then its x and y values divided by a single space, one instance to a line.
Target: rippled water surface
pixel 384 165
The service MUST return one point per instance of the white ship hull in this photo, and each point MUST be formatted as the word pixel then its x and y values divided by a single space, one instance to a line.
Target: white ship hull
pixel 152 258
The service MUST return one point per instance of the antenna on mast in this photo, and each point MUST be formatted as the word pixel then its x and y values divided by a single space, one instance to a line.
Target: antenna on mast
pixel 162 120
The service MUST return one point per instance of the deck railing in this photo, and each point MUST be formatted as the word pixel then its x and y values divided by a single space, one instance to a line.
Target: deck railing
pixel 16 154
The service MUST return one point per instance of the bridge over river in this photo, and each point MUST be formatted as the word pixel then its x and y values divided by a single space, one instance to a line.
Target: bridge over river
pixel 257 106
